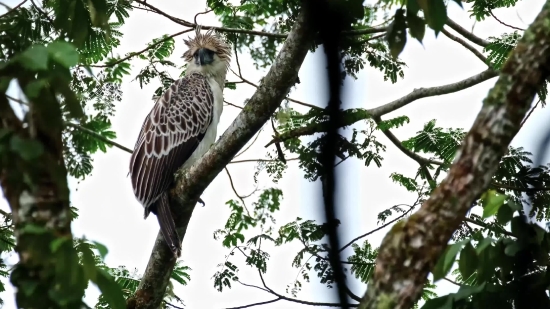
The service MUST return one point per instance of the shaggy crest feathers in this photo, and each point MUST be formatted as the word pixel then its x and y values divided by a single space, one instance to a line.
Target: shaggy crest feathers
pixel 209 40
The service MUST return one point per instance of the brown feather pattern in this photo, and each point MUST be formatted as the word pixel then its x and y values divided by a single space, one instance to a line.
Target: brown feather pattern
pixel 169 135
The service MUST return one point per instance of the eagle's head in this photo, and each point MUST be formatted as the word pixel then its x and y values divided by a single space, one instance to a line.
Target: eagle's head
pixel 208 53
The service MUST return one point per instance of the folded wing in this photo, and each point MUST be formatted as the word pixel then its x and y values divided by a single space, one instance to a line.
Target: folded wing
pixel 169 135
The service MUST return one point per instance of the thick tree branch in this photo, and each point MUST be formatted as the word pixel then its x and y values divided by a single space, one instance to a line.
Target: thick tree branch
pixel 410 250
pixel 363 114
pixel 467 34
pixel 190 185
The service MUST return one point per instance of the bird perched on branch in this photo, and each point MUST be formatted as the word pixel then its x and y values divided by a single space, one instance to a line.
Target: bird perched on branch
pixel 180 128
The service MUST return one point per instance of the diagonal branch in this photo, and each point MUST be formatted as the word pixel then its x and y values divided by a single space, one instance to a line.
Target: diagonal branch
pixel 363 114
pixel 469 47
pixel 190 185
pixel 467 34
pixel 11 10
pixel 410 250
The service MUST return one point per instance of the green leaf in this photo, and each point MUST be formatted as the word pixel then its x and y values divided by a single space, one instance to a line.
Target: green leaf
pixel 57 243
pixel 505 214
pixel 33 229
pixel 396 34
pixel 492 203
pixel 101 249
pixel 417 26
pixel 446 261
pixel 32 90
pixel 513 248
pixel 88 263
pixel 443 302
pixel 64 53
pixel 110 290
pixel 35 58
pixel 28 149
pixel 468 261
pixel 466 291
pixel 98 12
pixel 435 13
pixel 483 244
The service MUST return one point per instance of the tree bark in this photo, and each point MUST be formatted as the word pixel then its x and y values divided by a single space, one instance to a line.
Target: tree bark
pixel 34 182
pixel 190 184
pixel 411 249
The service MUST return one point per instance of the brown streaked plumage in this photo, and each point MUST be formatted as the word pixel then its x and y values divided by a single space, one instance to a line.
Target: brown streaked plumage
pixel 180 128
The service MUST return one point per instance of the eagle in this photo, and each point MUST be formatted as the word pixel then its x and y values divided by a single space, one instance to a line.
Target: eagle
pixel 180 128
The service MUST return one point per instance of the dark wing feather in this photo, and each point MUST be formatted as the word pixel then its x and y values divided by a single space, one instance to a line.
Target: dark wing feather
pixel 169 135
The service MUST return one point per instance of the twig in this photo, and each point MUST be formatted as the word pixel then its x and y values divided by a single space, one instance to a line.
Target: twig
pixel 42 12
pixel 141 51
pixel 465 33
pixel 173 306
pixel 98 136
pixel 81 128
pixel 378 228
pixel 453 282
pixel 234 189
pixel 11 10
pixel 530 112
pixel 246 81
pixel 261 160
pixel 244 31
pixel 487 226
pixel 503 23
pixel 257 304
pixel 201 13
pixel 250 145
pixel 460 41
pixel 231 104
pixel 421 160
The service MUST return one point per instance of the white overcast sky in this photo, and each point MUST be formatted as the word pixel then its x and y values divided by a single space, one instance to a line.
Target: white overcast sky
pixel 110 214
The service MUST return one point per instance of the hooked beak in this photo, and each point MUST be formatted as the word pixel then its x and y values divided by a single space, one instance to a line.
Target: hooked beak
pixel 204 57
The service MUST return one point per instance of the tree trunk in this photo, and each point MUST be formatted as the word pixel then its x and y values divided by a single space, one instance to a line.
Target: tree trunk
pixel 411 249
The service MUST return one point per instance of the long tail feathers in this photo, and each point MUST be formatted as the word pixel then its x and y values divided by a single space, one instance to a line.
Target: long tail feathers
pixel 167 225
